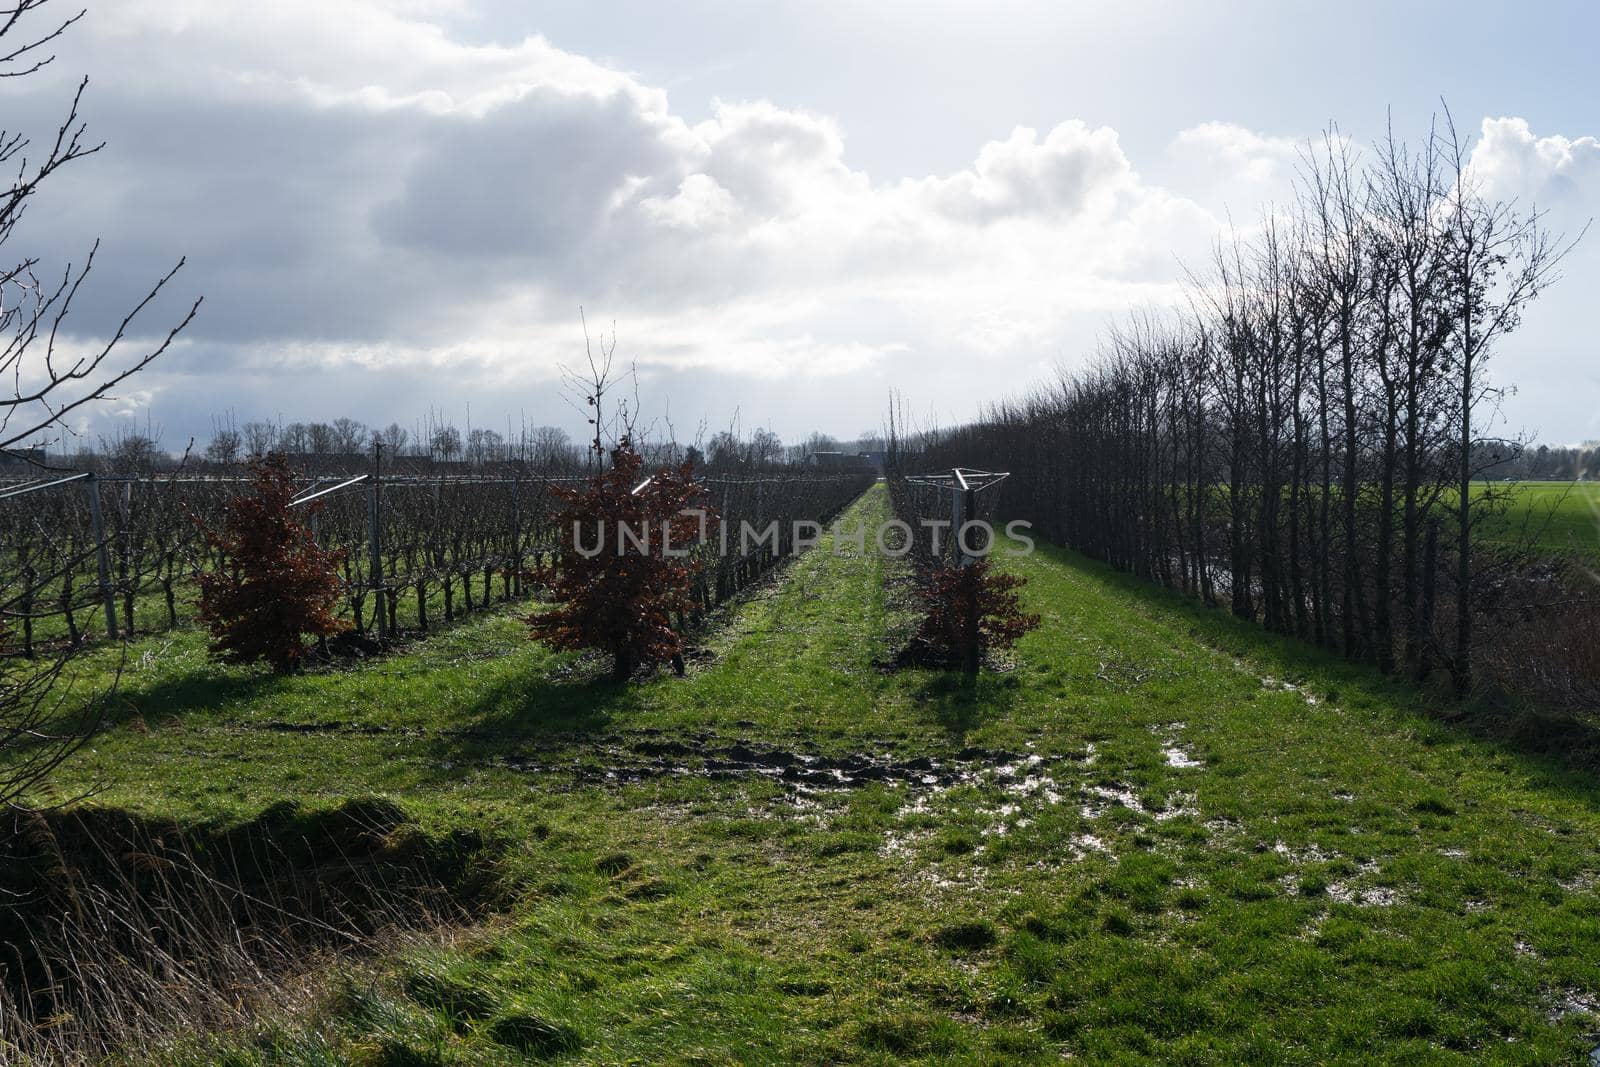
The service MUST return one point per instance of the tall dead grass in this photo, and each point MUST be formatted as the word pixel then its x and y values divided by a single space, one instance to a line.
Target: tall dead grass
pixel 118 930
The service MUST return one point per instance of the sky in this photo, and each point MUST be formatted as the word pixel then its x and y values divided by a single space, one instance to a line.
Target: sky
pixel 783 210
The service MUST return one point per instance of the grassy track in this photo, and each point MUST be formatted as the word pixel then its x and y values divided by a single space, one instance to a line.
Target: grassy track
pixel 1162 838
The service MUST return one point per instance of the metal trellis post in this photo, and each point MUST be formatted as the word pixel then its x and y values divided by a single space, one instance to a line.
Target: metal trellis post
pixel 374 536
pixel 97 529
pixel 969 511
pixel 516 531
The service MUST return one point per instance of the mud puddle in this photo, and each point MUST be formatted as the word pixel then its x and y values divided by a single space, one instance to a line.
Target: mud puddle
pixel 652 758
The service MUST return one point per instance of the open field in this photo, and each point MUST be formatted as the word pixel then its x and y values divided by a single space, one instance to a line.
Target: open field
pixel 1163 837
pixel 1563 517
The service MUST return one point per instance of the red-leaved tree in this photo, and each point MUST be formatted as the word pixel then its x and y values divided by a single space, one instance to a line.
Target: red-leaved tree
pixel 619 584
pixel 971 610
pixel 277 587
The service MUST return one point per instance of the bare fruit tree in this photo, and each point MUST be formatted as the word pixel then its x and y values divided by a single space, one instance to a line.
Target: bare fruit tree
pixel 52 375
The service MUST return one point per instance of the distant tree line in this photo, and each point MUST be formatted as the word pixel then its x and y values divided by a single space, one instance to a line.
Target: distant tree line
pixel 347 443
pixel 1544 463
pixel 435 440
pixel 1307 441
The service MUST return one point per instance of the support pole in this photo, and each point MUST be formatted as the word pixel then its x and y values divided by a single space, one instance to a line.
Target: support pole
pixel 974 657
pixel 375 536
pixel 957 499
pixel 97 529
pixel 969 508
pixel 516 531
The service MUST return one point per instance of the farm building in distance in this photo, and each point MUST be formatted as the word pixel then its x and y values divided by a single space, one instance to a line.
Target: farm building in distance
pixel 846 461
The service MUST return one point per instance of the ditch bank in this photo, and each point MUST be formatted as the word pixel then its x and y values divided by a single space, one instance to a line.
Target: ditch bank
pixel 117 928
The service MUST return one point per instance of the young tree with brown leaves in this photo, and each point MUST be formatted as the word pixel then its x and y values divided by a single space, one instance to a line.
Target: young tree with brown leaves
pixel 278 587
pixel 971 610
pixel 625 571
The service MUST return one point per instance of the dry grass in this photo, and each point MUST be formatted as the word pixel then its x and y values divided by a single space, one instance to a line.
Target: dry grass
pixel 122 931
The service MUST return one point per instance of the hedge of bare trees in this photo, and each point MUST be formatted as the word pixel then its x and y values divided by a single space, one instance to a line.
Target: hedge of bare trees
pixel 1304 443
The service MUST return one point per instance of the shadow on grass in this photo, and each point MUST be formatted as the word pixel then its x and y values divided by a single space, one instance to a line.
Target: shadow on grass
pixel 961 703
pixel 176 698
pixel 538 709
pixel 1561 748
pixel 555 700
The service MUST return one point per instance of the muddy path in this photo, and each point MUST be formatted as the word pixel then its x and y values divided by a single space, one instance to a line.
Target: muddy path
pixel 650 755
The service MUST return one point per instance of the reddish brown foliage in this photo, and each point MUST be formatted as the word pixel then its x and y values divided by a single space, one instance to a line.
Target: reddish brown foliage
pixel 614 595
pixel 972 610
pixel 279 586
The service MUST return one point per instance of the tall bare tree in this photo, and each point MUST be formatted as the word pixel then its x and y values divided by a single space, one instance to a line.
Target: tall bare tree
pixel 52 379
pixel 1497 257
pixel 50 383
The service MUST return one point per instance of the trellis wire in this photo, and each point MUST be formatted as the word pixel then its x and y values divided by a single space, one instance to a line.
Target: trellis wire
pixel 414 542
pixel 938 505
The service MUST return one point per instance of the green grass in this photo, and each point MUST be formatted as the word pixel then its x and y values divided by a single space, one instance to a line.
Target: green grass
pixel 1560 517
pixel 150 614
pixel 1202 845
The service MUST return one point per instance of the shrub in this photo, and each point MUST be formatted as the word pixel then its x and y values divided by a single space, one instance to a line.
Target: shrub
pixel 277 587
pixel 971 610
pixel 618 594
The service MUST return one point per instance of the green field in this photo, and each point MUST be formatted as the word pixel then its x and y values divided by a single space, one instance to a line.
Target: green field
pixel 1162 837
pixel 1561 517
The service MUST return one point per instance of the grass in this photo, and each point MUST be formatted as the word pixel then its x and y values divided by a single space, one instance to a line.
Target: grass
pixel 1163 837
pixel 150 614
pixel 1561 517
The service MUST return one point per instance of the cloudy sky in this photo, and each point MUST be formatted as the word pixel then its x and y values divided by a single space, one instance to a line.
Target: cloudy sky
pixel 787 209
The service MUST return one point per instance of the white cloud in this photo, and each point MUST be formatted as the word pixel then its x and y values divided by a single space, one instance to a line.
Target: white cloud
pixel 1234 171
pixel 1513 162
pixel 1072 171
pixel 700 203
pixel 1240 152
pixel 1551 359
